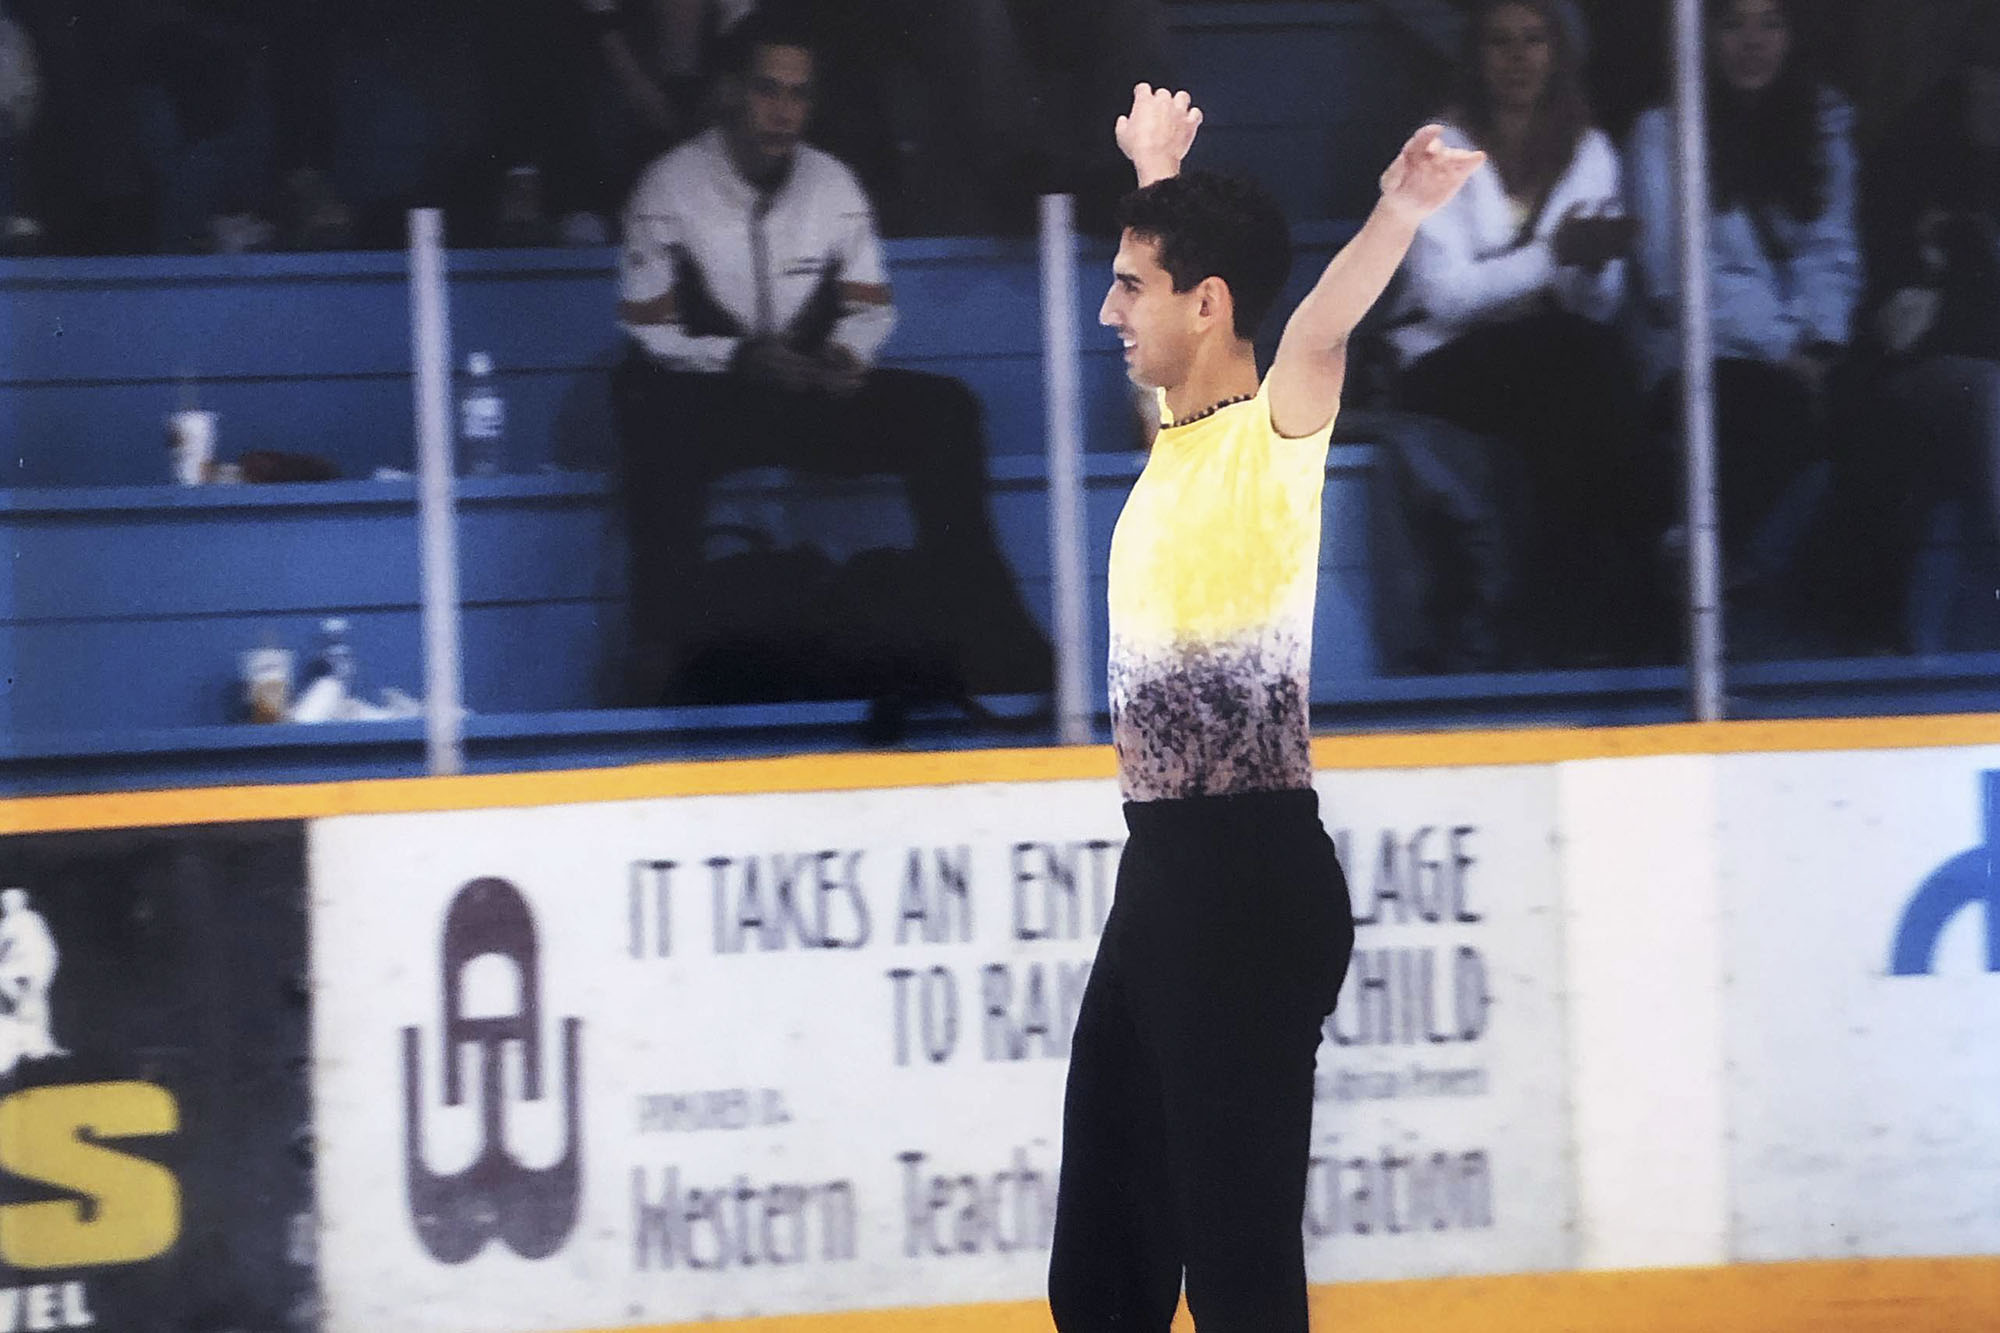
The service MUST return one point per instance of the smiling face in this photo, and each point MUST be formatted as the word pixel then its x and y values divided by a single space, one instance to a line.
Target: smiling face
pixel 1517 52
pixel 1158 325
pixel 1752 39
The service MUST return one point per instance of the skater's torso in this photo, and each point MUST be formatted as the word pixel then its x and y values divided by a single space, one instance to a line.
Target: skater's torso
pixel 1214 569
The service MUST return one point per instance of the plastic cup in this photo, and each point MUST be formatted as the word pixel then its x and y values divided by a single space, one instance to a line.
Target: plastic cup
pixel 191 445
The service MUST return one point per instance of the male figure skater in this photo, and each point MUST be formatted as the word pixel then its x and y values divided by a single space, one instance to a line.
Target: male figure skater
pixel 1189 1108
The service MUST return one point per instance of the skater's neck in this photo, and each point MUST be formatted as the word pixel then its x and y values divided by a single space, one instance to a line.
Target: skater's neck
pixel 1221 372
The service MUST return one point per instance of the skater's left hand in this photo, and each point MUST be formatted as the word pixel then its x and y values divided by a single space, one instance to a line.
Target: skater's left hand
pixel 1426 174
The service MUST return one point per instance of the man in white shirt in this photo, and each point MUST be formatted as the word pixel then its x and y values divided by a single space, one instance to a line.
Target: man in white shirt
pixel 756 300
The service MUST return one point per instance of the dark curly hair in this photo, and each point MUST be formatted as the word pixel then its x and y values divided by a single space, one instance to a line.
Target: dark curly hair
pixel 1213 226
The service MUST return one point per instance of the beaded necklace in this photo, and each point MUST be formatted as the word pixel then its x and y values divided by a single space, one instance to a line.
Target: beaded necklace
pixel 1210 410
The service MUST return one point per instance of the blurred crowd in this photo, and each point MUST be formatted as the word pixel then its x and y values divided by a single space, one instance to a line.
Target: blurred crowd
pixel 138 126
pixel 1532 353
pixel 1522 379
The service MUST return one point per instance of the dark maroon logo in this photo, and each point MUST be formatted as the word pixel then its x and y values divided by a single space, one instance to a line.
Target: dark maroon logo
pixel 531 1210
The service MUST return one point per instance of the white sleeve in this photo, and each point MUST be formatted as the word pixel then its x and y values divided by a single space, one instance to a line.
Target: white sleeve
pixel 1449 281
pixel 867 312
pixel 649 304
pixel 1827 270
pixel 1649 195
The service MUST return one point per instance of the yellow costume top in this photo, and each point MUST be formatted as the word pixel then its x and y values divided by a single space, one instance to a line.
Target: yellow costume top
pixel 1214 568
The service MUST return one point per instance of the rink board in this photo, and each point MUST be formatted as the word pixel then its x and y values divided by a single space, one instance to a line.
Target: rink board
pixel 781 1042
pixel 155 1166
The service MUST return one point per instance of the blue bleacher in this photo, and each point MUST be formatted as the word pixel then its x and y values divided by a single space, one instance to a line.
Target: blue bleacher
pixel 130 598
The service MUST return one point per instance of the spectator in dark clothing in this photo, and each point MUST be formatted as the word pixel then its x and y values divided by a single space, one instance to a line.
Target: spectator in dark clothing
pixel 203 124
pixel 1785 273
pixel 1033 82
pixel 1930 428
pixel 756 301
pixel 1901 54
pixel 1504 328
pixel 20 98
pixel 379 106
pixel 86 161
pixel 647 91
pixel 310 44
pixel 478 109
pixel 533 66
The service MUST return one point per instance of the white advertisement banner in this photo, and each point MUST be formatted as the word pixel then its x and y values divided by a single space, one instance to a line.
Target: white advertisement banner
pixel 1862 950
pixel 1441 1131
pixel 644 1062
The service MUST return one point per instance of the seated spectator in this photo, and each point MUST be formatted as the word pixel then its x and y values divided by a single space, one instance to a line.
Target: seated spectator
pixel 20 95
pixel 1785 274
pixel 383 105
pixel 380 106
pixel 1931 332
pixel 1042 77
pixel 957 116
pixel 755 298
pixel 203 126
pixel 650 63
pixel 1503 328
pixel 533 65
pixel 309 43
pixel 87 166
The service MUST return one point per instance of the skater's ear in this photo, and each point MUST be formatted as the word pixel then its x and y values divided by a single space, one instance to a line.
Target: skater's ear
pixel 1215 304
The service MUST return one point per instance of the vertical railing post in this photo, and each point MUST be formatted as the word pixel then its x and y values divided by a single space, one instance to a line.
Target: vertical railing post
pixel 1069 545
pixel 1704 546
pixel 437 519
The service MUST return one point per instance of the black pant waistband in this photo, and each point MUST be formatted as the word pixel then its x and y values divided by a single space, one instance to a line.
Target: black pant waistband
pixel 1183 814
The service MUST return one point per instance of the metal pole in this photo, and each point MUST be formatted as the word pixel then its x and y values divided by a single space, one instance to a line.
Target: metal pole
pixel 1697 365
pixel 1063 415
pixel 437 523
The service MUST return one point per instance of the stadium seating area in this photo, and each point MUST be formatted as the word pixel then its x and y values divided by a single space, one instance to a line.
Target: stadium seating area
pixel 131 598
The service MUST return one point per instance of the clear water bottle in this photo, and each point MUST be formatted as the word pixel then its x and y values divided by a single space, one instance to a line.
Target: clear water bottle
pixel 336 654
pixel 482 420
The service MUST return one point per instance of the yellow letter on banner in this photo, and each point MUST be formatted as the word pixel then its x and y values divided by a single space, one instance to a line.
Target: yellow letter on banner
pixel 135 1205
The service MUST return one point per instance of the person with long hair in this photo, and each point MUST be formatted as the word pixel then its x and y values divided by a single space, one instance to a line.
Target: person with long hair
pixel 1784 268
pixel 1928 432
pixel 1504 327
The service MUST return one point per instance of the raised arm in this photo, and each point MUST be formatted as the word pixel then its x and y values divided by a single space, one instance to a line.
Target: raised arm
pixel 1305 380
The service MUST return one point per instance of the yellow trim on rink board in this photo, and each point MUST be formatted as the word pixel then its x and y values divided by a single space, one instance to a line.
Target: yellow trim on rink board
pixel 857 772
pixel 1848 1296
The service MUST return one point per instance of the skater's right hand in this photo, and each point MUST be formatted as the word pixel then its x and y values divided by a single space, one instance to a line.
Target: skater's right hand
pixel 1158 131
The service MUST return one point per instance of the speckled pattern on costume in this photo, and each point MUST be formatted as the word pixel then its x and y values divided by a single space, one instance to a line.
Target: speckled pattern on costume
pixel 1214 569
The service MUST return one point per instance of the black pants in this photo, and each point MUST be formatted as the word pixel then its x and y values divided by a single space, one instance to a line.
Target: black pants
pixel 1768 432
pixel 679 430
pixel 1189 1113
pixel 1913 434
pixel 1560 390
